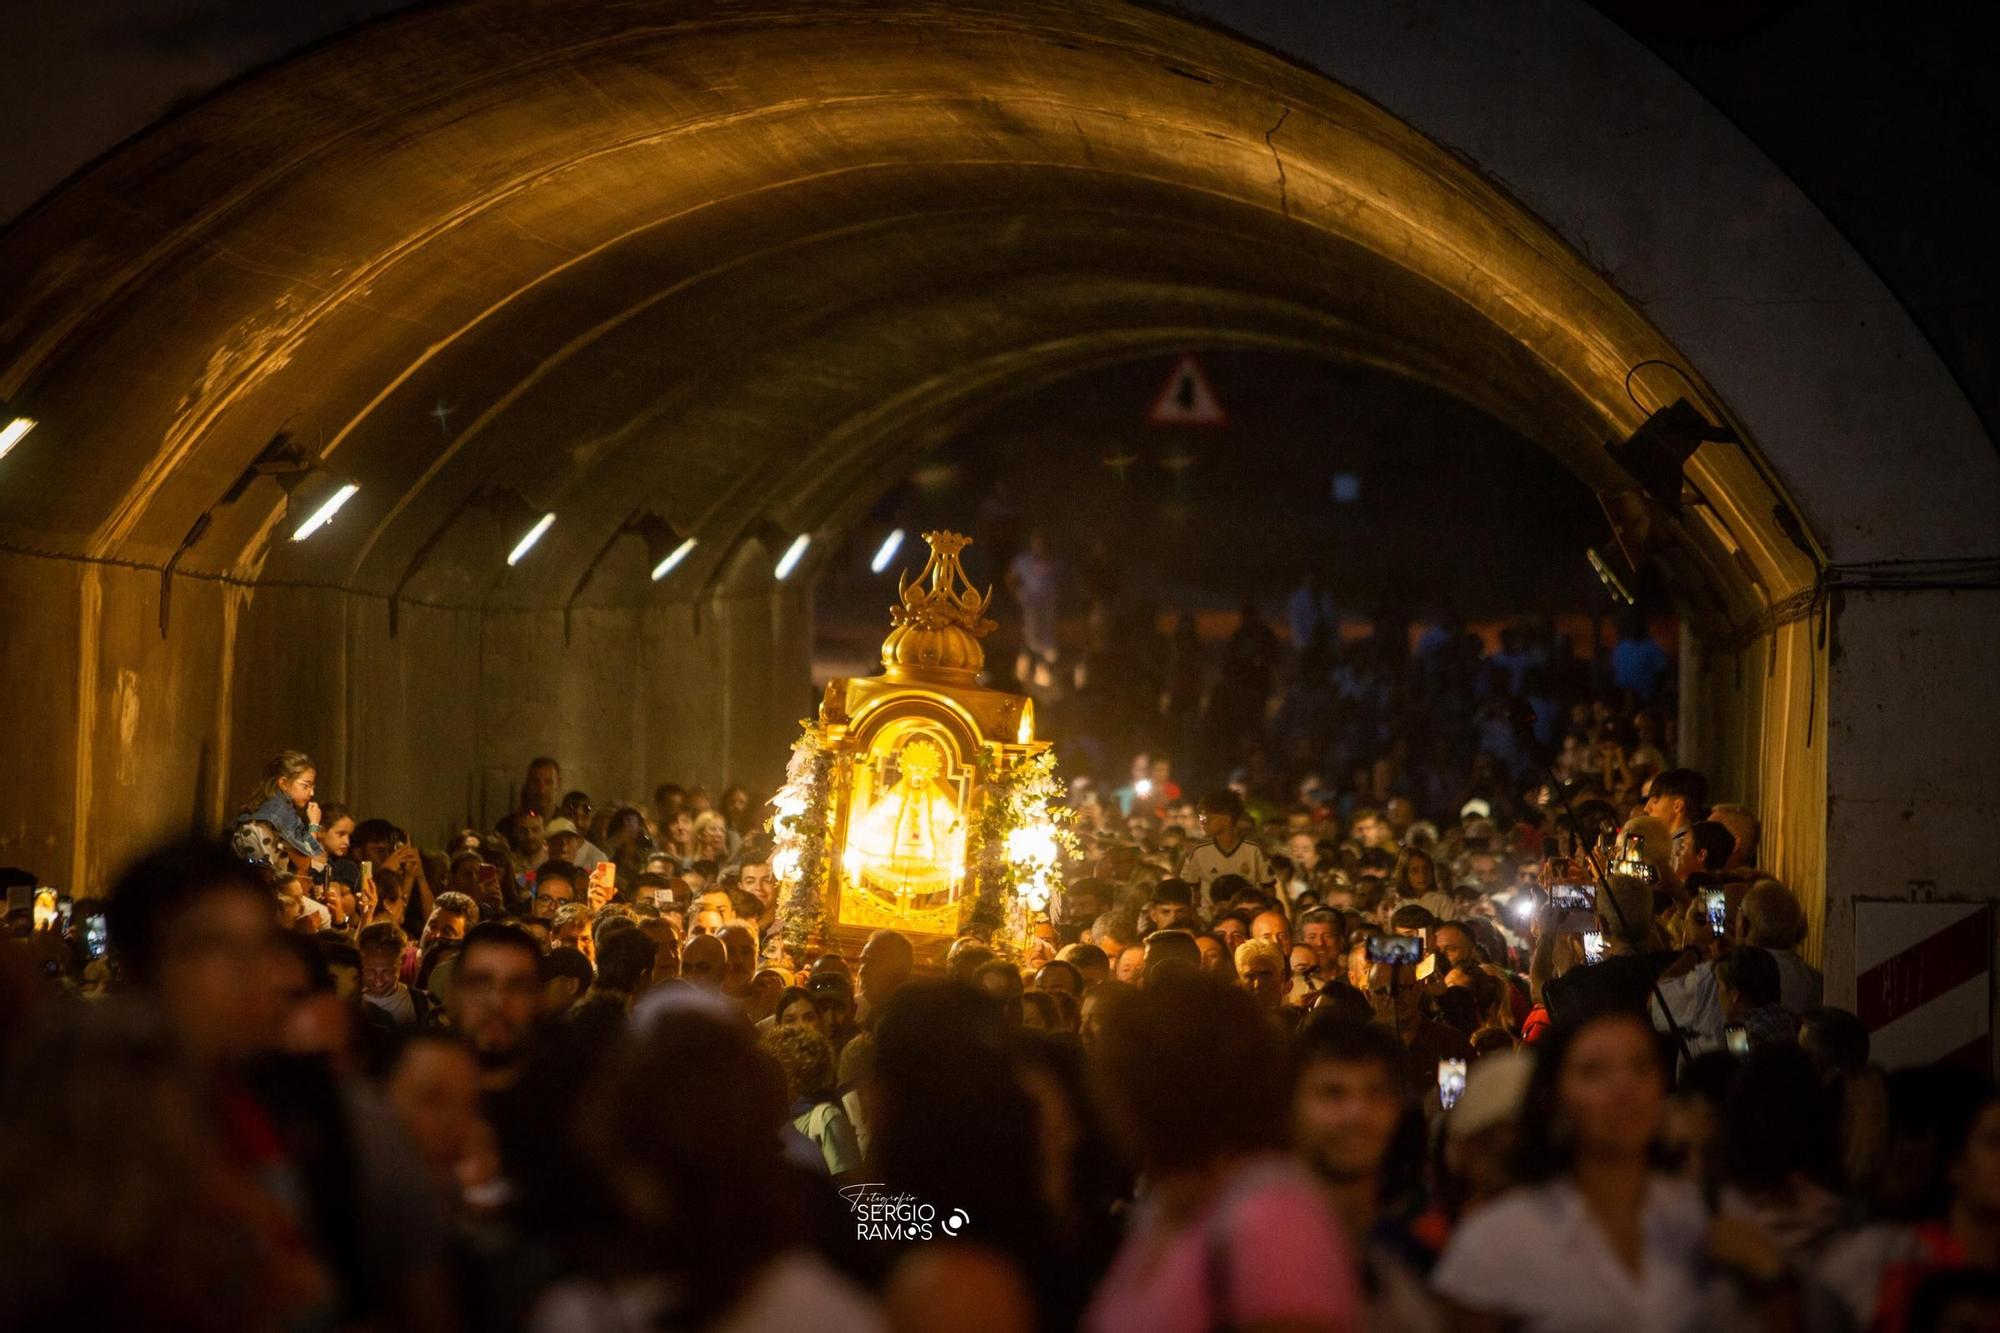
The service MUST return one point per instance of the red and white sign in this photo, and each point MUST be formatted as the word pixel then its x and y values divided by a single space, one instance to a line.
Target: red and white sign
pixel 1188 399
pixel 1924 982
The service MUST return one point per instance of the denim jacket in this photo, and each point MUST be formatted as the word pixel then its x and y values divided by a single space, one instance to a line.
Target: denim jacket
pixel 279 812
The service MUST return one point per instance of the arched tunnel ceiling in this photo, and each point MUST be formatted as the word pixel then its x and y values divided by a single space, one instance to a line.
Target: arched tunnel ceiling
pixel 735 261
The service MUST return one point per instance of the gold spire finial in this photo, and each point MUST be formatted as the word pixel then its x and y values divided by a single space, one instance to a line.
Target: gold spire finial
pixel 940 617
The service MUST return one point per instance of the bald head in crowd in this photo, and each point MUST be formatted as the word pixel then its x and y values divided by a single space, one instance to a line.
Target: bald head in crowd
pixel 704 962
pixel 1743 825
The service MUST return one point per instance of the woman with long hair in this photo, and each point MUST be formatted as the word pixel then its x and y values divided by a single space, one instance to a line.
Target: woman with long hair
pixel 951 1124
pixel 708 1235
pixel 714 840
pixel 735 807
pixel 1595 1237
pixel 1415 875
pixel 283 798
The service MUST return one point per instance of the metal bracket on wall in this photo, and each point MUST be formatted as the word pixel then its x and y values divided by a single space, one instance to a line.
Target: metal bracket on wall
pixel 194 534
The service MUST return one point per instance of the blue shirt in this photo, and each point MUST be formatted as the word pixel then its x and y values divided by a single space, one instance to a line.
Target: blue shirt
pixel 1637 665
pixel 279 812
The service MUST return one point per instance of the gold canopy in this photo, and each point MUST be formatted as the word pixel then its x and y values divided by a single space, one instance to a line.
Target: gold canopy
pixel 911 749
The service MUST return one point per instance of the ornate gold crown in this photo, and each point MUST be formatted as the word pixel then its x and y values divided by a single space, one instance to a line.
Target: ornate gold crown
pixel 939 619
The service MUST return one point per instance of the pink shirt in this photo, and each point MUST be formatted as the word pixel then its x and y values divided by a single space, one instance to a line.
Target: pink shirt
pixel 1268 1247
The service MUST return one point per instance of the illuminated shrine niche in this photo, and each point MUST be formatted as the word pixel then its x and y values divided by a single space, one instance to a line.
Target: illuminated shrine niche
pixel 900 788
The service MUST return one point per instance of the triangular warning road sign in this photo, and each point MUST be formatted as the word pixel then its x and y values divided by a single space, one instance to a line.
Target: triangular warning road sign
pixel 1188 399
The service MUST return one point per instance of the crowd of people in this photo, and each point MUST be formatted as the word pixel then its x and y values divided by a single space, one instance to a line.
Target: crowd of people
pixel 1452 1040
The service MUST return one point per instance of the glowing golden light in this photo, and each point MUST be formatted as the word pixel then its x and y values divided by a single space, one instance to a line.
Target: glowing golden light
pixel 1036 856
pixel 910 843
pixel 912 752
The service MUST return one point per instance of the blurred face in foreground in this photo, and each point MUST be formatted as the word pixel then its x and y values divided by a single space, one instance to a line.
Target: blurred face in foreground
pixel 221 974
pixel 1611 1090
pixel 1344 1114
pixel 495 1000
pixel 435 1093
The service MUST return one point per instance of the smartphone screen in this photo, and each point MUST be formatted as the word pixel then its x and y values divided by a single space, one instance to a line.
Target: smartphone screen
pixel 1400 949
pixel 1737 1037
pixel 1716 903
pixel 65 912
pixel 1574 907
pixel 1593 946
pixel 45 908
pixel 96 939
pixel 1451 1081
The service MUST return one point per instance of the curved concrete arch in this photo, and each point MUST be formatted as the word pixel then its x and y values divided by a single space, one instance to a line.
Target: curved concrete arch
pixel 493 201
pixel 1365 179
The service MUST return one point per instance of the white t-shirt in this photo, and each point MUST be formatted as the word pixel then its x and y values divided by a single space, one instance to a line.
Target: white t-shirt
pixel 399 1004
pixel 1205 863
pixel 1537 1256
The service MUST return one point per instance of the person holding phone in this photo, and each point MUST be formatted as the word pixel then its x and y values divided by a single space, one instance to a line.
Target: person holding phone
pixel 1624 978
pixel 1397 994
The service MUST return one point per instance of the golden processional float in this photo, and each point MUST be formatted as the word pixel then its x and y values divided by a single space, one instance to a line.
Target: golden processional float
pixel 920 801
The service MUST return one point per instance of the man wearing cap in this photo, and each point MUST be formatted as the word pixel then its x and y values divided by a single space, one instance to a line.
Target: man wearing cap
pixel 567 843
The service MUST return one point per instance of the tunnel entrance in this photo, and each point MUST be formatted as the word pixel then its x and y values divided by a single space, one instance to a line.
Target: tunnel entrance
pixel 723 280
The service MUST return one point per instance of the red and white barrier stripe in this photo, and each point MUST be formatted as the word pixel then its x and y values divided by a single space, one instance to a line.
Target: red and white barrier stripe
pixel 1924 981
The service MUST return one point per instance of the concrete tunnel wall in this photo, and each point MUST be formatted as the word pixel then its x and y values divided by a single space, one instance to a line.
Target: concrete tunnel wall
pixel 1868 746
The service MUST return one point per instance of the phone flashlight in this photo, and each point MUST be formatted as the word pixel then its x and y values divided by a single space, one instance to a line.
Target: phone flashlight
pixel 1451 1082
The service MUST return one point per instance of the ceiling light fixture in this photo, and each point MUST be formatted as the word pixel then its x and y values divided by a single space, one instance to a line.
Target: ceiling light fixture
pixel 673 559
pixel 793 554
pixel 323 515
pixel 529 538
pixel 666 548
pixel 887 551
pixel 13 433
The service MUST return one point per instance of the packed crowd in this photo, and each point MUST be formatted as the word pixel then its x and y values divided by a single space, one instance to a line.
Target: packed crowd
pixel 1515 1048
